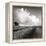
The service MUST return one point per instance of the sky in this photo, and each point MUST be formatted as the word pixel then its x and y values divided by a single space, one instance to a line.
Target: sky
pixel 27 16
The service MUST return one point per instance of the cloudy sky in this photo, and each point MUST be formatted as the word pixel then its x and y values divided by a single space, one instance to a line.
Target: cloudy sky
pixel 27 16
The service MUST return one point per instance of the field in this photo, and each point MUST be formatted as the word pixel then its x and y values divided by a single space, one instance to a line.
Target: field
pixel 27 32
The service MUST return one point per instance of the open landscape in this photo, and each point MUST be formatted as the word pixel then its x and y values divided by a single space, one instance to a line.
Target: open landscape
pixel 27 22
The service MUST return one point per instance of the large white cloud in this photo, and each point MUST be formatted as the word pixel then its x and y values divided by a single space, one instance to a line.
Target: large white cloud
pixel 26 19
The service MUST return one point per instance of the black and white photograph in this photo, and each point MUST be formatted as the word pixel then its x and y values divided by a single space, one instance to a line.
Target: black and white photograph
pixel 27 22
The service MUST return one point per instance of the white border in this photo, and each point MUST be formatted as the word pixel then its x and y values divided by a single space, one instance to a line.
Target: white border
pixel 10 18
